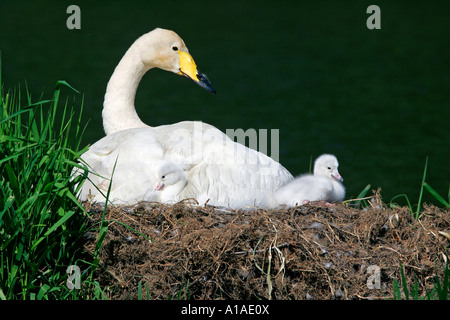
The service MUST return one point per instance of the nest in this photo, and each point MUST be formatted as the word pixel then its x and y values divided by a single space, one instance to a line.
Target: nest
pixel 313 251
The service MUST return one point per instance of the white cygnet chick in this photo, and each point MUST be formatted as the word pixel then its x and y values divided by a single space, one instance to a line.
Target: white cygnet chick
pixel 171 181
pixel 325 184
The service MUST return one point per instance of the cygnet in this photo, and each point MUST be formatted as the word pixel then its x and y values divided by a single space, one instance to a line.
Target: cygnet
pixel 325 184
pixel 171 181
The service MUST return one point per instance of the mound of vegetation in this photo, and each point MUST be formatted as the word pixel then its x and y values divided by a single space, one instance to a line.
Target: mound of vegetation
pixel 314 251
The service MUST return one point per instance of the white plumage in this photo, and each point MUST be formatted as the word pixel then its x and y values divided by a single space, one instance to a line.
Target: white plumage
pixel 325 184
pixel 171 181
pixel 218 169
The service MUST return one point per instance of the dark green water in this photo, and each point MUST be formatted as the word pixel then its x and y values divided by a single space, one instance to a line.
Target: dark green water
pixel 378 99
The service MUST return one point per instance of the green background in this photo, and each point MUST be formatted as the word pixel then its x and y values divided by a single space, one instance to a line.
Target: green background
pixel 377 99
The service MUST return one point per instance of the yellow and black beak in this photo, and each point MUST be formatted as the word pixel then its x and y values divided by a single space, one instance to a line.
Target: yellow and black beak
pixel 188 68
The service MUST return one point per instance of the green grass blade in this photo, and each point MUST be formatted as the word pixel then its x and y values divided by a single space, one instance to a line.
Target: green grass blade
pixel 406 199
pixel 14 183
pixel 396 290
pixel 363 193
pixel 444 289
pixel 140 290
pixel 404 284
pixel 419 202
pixel 436 195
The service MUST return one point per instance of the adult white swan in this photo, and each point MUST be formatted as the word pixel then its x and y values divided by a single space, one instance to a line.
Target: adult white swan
pixel 218 169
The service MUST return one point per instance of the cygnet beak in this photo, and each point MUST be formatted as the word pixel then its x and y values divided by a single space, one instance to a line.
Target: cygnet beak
pixel 337 177
pixel 159 186
pixel 188 68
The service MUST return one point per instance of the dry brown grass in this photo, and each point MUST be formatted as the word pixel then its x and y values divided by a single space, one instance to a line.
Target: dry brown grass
pixel 310 252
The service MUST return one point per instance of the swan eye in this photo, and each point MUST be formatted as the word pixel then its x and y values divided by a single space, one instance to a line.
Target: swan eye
pixel 163 177
pixel 329 168
pixel 175 48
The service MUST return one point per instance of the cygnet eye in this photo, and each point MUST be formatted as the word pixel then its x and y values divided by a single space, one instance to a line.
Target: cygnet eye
pixel 163 177
pixel 175 48
pixel 329 168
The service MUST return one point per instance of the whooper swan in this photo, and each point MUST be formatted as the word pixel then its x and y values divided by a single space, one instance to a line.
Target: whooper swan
pixel 217 168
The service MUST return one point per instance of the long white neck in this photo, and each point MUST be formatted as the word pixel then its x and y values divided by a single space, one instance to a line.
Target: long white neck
pixel 119 112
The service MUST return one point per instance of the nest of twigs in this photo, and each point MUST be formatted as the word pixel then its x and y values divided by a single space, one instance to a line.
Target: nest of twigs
pixel 310 252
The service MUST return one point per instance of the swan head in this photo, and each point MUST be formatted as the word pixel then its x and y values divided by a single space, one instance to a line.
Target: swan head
pixel 169 174
pixel 164 49
pixel 327 165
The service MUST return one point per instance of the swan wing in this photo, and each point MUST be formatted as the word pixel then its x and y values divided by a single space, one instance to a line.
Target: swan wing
pixel 130 158
pixel 232 175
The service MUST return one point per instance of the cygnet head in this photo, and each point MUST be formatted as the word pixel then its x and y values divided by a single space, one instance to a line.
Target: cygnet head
pixel 327 165
pixel 164 49
pixel 169 174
